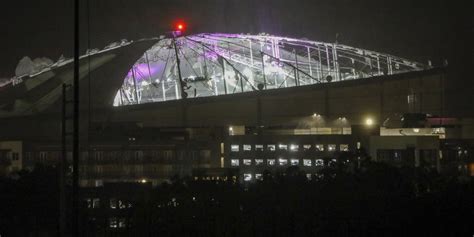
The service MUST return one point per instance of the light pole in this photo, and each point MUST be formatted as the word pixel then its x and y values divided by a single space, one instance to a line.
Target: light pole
pixel 75 140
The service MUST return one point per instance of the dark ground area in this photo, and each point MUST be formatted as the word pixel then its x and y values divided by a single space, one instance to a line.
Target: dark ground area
pixel 372 201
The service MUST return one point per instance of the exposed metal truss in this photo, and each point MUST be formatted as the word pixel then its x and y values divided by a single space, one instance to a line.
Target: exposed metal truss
pixel 217 64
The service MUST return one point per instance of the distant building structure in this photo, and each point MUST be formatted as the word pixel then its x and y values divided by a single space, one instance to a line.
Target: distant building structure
pixel 246 104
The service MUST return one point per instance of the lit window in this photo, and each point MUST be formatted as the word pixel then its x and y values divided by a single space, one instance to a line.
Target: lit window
pixel 247 147
pixel 121 223
pixel 319 147
pixel 283 161
pixel 271 162
pixel 319 162
pixel 113 203
pixel 308 176
pixel 15 156
pixel 344 147
pixel 259 147
pixel 358 145
pixel 294 161
pixel 95 203
pixel 271 147
pixel 306 147
pixel 234 162
pixel 283 147
pixel 247 177
pixel 258 161
pixel 113 223
pixel 411 99
pixel 89 203
pixel 234 148
pixel 331 147
pixel 397 156
pixel 247 162
pixel 294 147
pixel 258 176
pixel 122 204
pixel 332 162
pixel 307 162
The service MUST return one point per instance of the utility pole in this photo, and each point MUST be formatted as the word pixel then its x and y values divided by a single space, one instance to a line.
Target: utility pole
pixel 63 162
pixel 75 146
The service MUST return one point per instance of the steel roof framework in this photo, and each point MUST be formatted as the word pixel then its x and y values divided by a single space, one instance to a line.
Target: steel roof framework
pixel 218 64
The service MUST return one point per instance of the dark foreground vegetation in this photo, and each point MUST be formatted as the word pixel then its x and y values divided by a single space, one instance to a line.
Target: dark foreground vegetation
pixel 376 200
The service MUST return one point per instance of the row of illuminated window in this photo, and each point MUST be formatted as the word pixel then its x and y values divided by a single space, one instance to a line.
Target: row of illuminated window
pixel 291 147
pixel 115 222
pixel 114 203
pixel 249 177
pixel 214 178
pixel 279 162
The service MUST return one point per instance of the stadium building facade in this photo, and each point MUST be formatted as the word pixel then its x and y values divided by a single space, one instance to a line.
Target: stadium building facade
pixel 220 106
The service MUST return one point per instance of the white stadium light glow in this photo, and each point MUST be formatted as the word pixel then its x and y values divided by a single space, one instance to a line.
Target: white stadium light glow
pixel 369 122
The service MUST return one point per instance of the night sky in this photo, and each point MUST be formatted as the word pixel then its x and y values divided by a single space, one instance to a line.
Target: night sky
pixel 418 30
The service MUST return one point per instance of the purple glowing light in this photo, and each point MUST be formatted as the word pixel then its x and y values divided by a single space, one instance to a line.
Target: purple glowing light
pixel 209 55
pixel 141 71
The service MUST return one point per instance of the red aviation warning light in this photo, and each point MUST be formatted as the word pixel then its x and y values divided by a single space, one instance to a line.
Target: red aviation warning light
pixel 180 26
